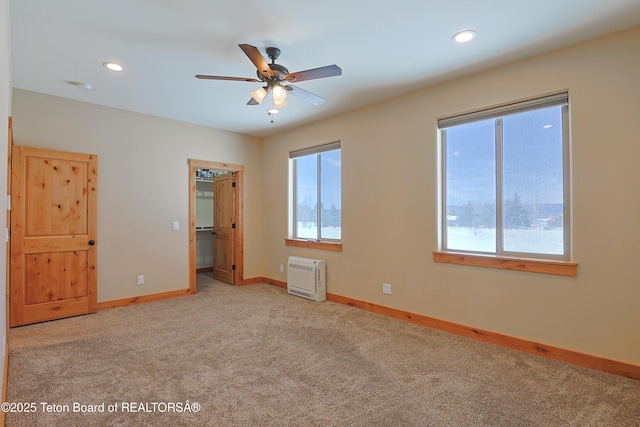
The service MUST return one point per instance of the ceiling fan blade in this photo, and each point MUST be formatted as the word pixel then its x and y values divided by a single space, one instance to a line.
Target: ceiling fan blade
pixel 314 73
pixel 252 102
pixel 258 60
pixel 238 79
pixel 307 96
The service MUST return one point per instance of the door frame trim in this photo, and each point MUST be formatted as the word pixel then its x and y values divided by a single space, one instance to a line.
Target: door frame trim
pixel 238 253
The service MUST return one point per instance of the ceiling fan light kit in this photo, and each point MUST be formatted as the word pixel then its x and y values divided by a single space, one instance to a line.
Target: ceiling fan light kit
pixel 259 94
pixel 274 75
pixel 279 94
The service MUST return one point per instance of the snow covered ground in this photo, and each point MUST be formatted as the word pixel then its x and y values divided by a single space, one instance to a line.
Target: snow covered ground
pixel 308 231
pixel 537 241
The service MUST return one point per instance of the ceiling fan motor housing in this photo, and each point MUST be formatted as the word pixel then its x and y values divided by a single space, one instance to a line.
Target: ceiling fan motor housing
pixel 279 70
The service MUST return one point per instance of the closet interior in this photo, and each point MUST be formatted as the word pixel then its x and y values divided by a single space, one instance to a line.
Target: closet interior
pixel 204 218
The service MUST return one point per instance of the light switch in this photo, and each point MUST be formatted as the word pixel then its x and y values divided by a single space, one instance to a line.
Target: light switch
pixel 176 225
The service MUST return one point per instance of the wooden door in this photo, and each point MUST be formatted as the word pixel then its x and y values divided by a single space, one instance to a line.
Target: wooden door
pixel 224 226
pixel 53 234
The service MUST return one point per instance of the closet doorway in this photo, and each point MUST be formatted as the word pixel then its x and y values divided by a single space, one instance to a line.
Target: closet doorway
pixel 216 194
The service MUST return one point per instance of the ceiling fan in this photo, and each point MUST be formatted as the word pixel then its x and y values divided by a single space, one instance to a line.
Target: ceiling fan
pixel 274 75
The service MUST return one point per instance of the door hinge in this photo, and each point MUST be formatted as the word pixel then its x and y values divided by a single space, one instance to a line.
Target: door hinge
pixel 233 225
pixel 233 184
pixel 233 267
pixel 8 202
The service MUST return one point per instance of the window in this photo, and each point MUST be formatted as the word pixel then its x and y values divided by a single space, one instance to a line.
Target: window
pixel 505 186
pixel 316 193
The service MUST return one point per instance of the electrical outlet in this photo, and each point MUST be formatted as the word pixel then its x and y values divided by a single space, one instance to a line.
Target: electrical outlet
pixel 281 268
pixel 176 225
pixel 140 280
pixel 386 288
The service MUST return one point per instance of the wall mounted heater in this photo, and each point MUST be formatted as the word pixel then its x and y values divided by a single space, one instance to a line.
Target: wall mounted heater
pixel 306 278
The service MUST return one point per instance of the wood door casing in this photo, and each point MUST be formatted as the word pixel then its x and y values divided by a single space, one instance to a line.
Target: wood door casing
pixel 224 227
pixel 53 235
pixel 238 249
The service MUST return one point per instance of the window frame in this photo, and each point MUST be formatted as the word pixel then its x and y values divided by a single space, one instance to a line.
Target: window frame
pixel 497 114
pixel 319 242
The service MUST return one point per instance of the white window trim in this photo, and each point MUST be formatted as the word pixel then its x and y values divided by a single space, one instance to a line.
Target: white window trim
pixel 317 149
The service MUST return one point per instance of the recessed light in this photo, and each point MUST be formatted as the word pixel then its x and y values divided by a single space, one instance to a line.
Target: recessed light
pixel 464 36
pixel 113 66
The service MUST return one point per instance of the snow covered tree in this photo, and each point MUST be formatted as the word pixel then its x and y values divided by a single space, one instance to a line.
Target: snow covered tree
pixel 515 214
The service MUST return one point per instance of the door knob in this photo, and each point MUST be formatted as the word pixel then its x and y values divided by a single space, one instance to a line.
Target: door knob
pixel 92 242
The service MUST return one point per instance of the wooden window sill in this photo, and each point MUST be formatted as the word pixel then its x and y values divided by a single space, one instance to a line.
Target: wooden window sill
pixel 327 246
pixel 562 268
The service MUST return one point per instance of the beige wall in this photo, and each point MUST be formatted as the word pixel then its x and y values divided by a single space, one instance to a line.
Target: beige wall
pixel 5 112
pixel 142 185
pixel 389 222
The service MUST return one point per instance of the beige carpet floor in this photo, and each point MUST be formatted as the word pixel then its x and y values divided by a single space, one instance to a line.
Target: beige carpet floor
pixel 256 356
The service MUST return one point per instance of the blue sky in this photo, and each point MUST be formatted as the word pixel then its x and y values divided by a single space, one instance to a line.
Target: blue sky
pixel 532 154
pixel 330 178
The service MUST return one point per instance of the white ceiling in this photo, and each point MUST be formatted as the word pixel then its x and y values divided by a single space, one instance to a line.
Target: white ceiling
pixel 384 49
